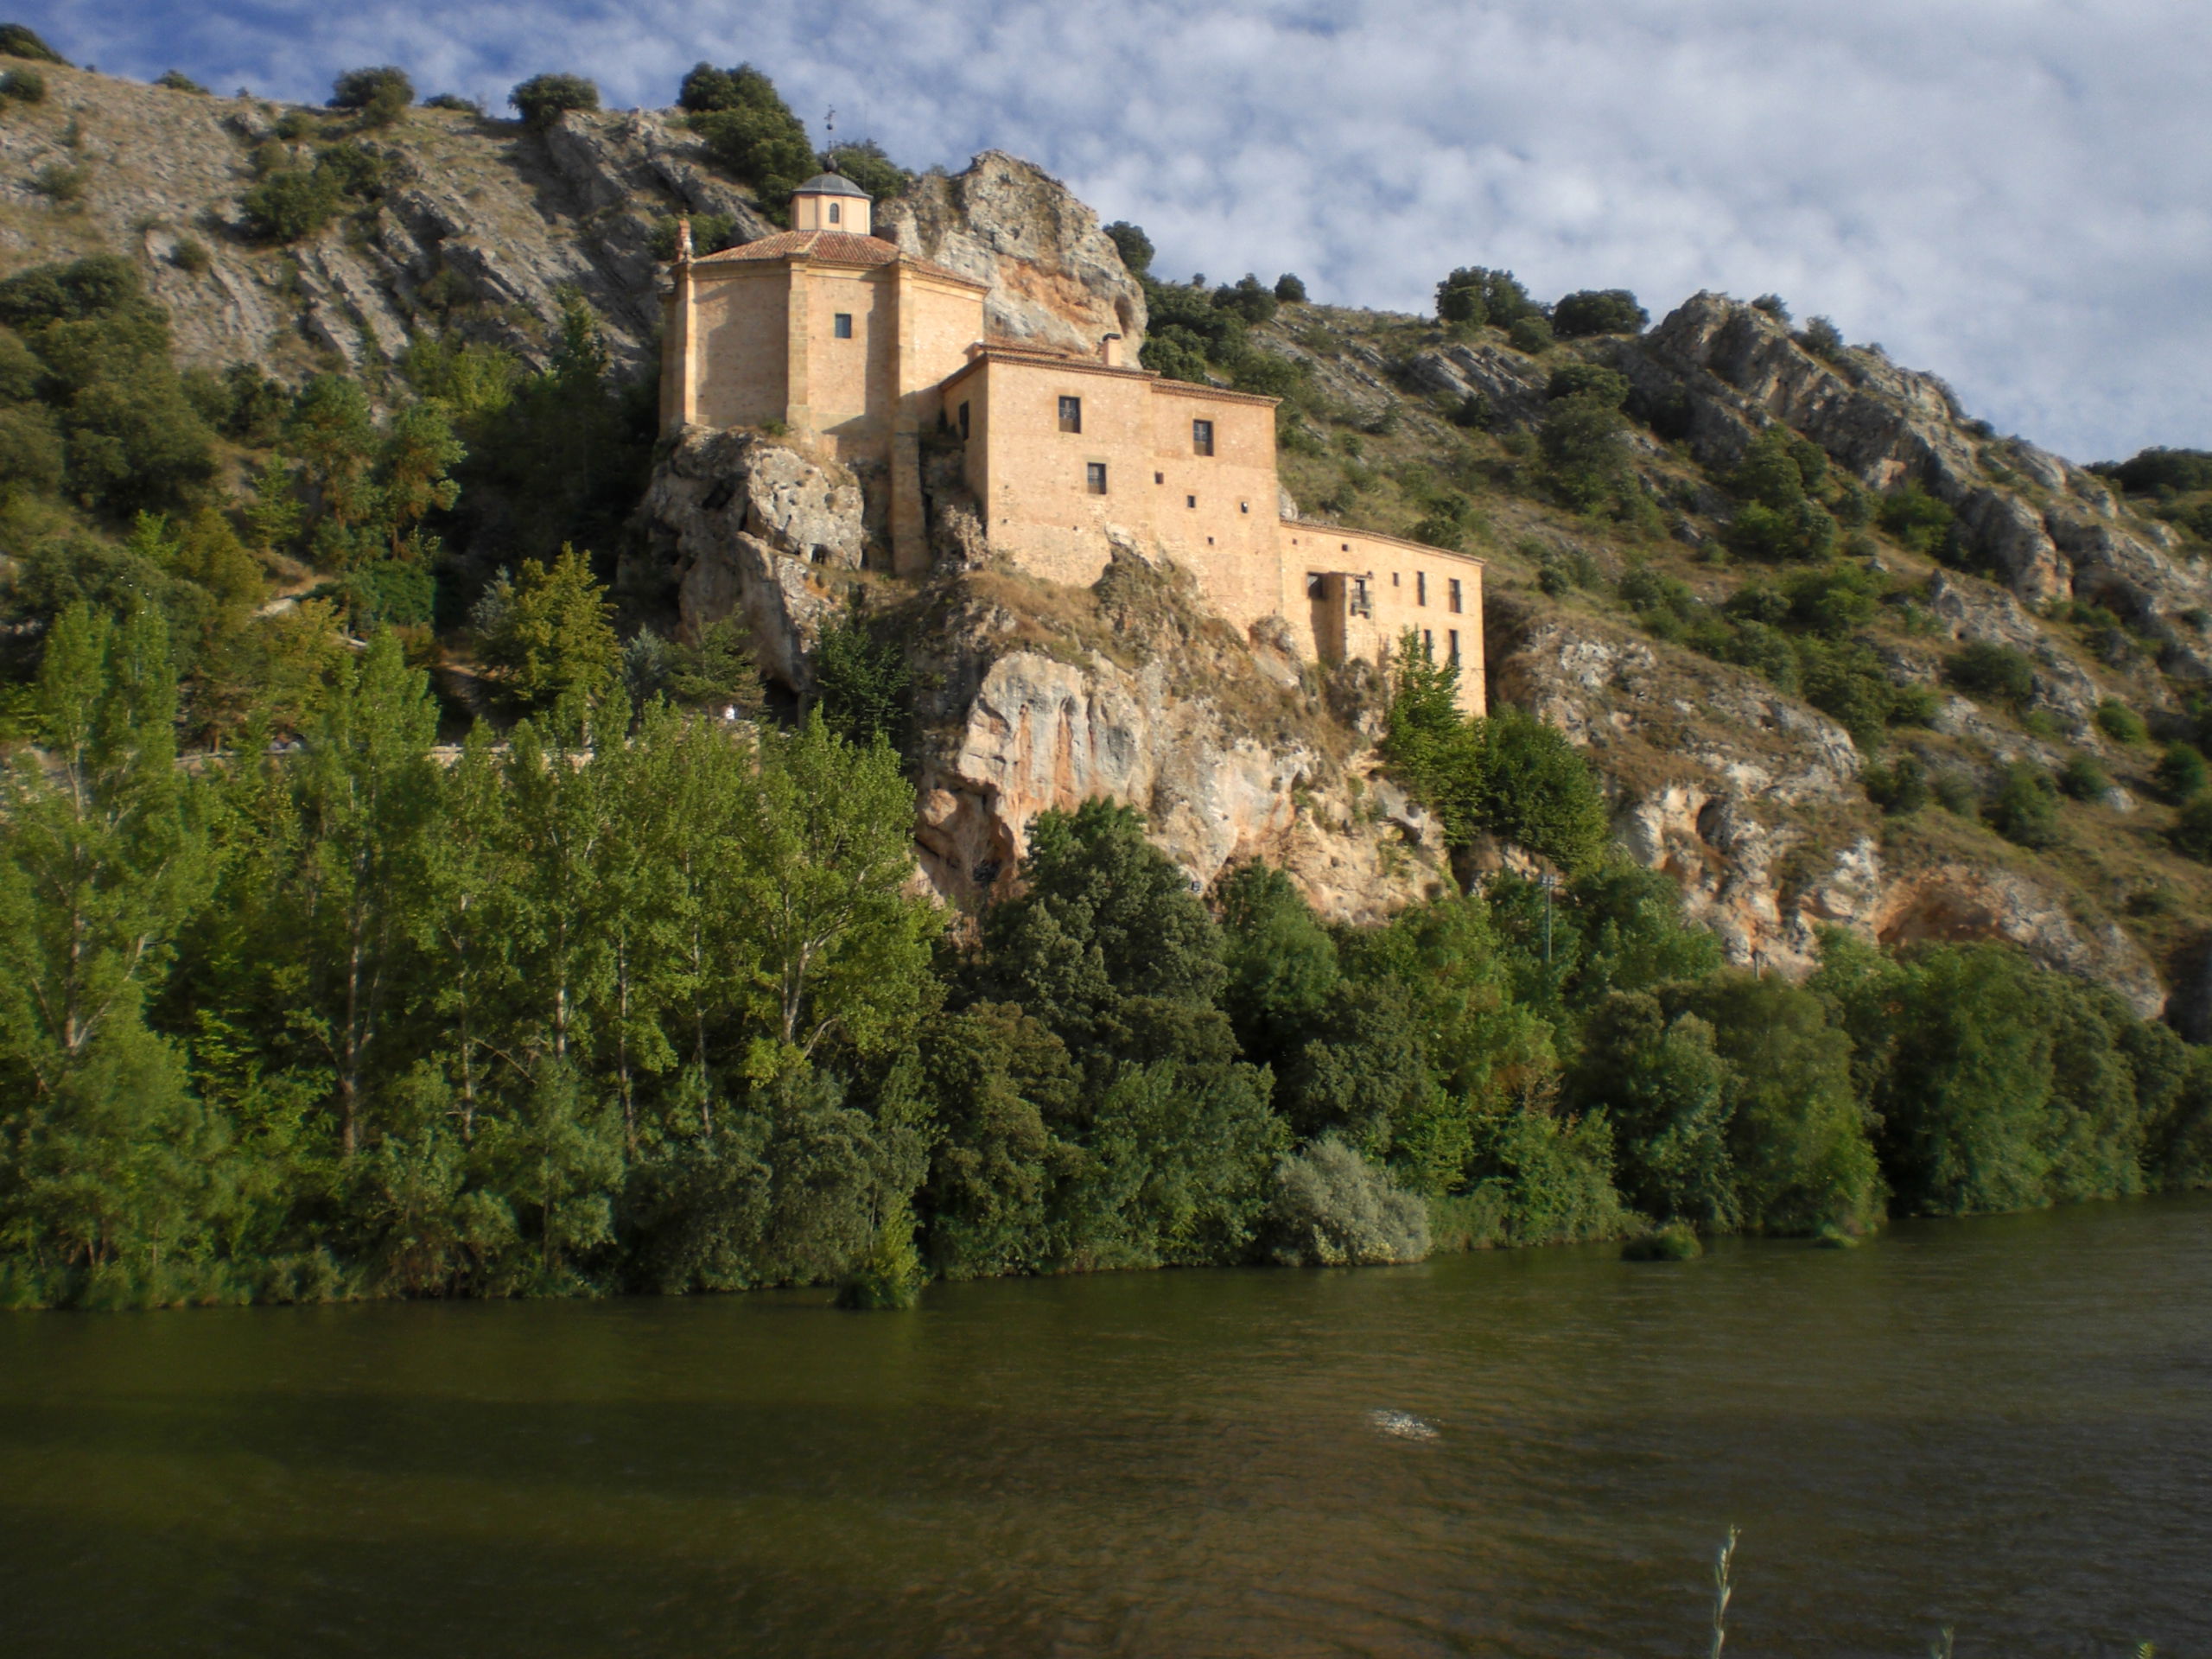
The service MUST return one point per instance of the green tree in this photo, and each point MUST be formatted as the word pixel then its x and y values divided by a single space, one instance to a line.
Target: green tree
pixel 839 947
pixel 366 792
pixel 543 100
pixel 105 1158
pixel 1599 311
pixel 381 94
pixel 552 632
pixel 749 129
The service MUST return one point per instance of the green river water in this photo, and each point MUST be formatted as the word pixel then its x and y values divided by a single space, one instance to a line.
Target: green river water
pixel 2001 1425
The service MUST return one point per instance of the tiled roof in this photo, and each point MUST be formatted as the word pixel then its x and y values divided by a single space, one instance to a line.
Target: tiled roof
pixel 838 247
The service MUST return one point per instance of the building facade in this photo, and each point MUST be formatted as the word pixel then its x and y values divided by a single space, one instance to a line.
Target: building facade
pixel 856 349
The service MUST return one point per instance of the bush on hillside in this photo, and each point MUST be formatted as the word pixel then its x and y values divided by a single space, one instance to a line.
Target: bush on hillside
pixel 2121 723
pixel 381 94
pixel 1590 379
pixel 1290 290
pixel 1475 296
pixel 1822 338
pixel 176 80
pixel 1983 668
pixel 1599 311
pixel 749 130
pixel 2182 772
pixel 866 165
pixel 17 40
pixel 1135 247
pixel 543 100
pixel 2156 470
pixel 2024 807
pixel 22 86
pixel 2084 780
pixel 1916 519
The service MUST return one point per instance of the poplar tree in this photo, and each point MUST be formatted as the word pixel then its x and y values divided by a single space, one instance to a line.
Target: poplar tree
pixel 365 790
pixel 104 857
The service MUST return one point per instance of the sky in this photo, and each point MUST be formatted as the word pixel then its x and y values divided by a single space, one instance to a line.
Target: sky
pixel 2016 195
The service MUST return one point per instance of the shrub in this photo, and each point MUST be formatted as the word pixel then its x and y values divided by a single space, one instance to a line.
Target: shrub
pixel 1331 1208
pixel 1822 338
pixel 2182 772
pixel 18 42
pixel 1135 247
pixel 1916 519
pixel 1587 379
pixel 291 204
pixel 381 94
pixel 1249 299
pixel 2152 471
pixel 543 100
pixel 177 81
pixel 1476 295
pixel 2192 831
pixel 1599 311
pixel 2024 808
pixel 1290 290
pixel 61 183
pixel 1773 306
pixel 2000 673
pixel 2121 723
pixel 1675 1241
pixel 1584 442
pixel 1898 790
pixel 748 129
pixel 2084 779
pixel 24 86
pixel 1530 334
pixel 866 165
pixel 455 102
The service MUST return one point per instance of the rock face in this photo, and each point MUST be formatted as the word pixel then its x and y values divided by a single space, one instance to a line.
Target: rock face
pixel 481 227
pixel 748 527
pixel 1057 280
pixel 2050 530
pixel 1035 697
pixel 1750 800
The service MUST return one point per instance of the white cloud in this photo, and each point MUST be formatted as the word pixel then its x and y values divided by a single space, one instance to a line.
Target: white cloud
pixel 2013 193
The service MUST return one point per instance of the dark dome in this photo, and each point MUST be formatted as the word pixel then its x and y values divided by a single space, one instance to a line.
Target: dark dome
pixel 831 184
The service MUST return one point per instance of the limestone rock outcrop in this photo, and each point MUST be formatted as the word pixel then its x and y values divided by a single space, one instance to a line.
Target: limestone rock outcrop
pixel 481 226
pixel 1750 801
pixel 1057 279
pixel 748 527
pixel 2050 530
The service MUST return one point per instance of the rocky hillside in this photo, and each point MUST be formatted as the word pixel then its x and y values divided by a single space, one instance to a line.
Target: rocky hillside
pixel 465 225
pixel 1803 726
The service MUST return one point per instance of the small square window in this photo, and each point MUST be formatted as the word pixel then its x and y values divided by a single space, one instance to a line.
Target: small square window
pixel 1094 476
pixel 1420 587
pixel 1244 506
pixel 1159 477
pixel 1189 500
pixel 1452 598
pixel 963 422
pixel 842 325
pixel 1394 578
pixel 1202 437
pixel 1071 414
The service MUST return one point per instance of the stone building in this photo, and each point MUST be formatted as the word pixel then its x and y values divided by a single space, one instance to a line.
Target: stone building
pixel 856 351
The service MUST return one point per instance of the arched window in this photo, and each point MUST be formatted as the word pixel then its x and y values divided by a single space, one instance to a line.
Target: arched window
pixel 835 210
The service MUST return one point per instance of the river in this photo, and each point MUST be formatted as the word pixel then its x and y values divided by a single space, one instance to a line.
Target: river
pixel 2002 1425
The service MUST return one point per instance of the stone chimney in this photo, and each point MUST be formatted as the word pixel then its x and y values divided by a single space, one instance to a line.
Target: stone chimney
pixel 1109 351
